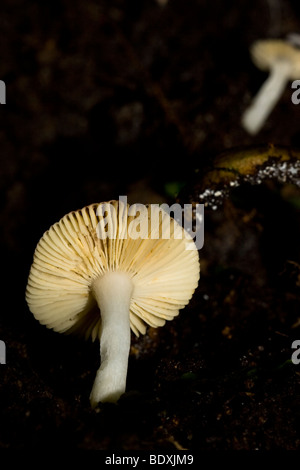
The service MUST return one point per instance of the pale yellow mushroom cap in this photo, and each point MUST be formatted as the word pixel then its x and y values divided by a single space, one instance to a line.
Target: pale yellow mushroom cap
pixel 266 52
pixel 87 243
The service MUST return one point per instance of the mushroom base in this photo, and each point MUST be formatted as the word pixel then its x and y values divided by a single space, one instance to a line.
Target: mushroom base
pixel 267 97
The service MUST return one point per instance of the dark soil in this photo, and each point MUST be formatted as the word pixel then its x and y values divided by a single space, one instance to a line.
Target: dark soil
pixel 124 98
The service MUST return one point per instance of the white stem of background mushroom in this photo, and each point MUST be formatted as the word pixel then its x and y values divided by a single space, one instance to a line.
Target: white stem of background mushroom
pixel 113 293
pixel 267 97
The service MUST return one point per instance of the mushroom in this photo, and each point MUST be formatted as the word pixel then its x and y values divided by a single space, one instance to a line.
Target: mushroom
pixel 135 264
pixel 282 60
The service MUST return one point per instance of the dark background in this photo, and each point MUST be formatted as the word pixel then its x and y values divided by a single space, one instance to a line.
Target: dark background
pixel 109 98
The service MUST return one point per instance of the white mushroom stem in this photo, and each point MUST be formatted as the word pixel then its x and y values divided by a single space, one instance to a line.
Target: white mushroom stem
pixel 113 293
pixel 267 97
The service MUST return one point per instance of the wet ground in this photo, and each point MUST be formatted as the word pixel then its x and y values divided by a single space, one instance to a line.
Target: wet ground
pixel 137 98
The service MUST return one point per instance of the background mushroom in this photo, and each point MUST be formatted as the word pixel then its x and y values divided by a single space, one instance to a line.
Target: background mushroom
pixel 282 60
pixel 112 257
